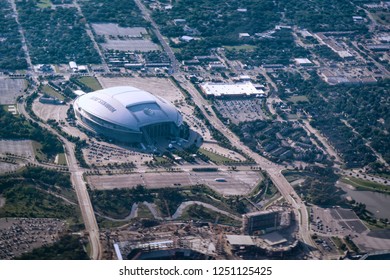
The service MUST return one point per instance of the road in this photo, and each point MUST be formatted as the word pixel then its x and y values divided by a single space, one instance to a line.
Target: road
pixel 175 65
pixel 90 34
pixel 328 148
pixel 80 187
pixel 24 42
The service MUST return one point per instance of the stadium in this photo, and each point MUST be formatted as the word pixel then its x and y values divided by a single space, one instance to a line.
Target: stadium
pixel 128 115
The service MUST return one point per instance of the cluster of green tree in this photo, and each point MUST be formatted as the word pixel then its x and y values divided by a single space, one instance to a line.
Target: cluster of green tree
pixel 117 203
pixel 47 177
pixel 219 20
pixel 155 56
pixel 319 187
pixel 202 214
pixel 280 49
pixel 325 52
pixel 81 85
pixel 56 35
pixel 268 137
pixel 11 53
pixel 124 13
pixel 318 15
pixel 364 107
pixel 58 2
pixel 80 144
pixel 16 127
pixel 367 110
pixel 69 247
pixel 30 201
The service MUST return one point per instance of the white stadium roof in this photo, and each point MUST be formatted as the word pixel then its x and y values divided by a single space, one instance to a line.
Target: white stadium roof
pixel 128 107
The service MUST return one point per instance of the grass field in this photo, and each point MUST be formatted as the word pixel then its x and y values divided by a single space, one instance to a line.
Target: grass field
pixel 37 150
pixel 201 213
pixel 214 157
pixel 144 212
pixel 44 4
pixel 298 98
pixel 53 93
pixel 161 160
pixel 90 82
pixel 241 47
pixel 104 223
pixel 340 245
pixel 24 200
pixel 363 185
pixel 61 159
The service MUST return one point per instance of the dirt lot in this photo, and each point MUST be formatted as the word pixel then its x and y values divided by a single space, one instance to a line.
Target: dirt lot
pixel 235 183
pixel 10 89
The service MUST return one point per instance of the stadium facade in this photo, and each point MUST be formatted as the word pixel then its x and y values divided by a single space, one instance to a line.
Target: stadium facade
pixel 128 114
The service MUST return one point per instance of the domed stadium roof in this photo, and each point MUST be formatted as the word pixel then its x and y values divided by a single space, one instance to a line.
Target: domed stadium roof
pixel 128 107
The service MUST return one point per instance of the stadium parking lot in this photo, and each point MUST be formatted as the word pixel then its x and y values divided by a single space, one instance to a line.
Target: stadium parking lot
pixel 226 183
pixel 100 153
pixel 333 221
pixel 8 167
pixel 49 111
pixel 23 148
pixel 10 89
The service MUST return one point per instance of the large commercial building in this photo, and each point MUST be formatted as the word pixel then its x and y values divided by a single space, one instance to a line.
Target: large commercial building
pixel 128 115
pixel 267 220
pixel 244 89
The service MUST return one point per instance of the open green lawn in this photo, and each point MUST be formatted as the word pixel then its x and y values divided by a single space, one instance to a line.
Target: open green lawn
pixel 241 47
pixel 44 4
pixel 364 185
pixel 144 212
pixel 201 213
pixel 161 160
pixel 90 82
pixel 214 157
pixel 61 159
pixel 38 152
pixel 53 93
pixel 298 98
pixel 25 200
pixel 104 223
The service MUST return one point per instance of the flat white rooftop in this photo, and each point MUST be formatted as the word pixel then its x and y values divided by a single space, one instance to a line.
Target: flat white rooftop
pixel 240 240
pixel 302 61
pixel 217 89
